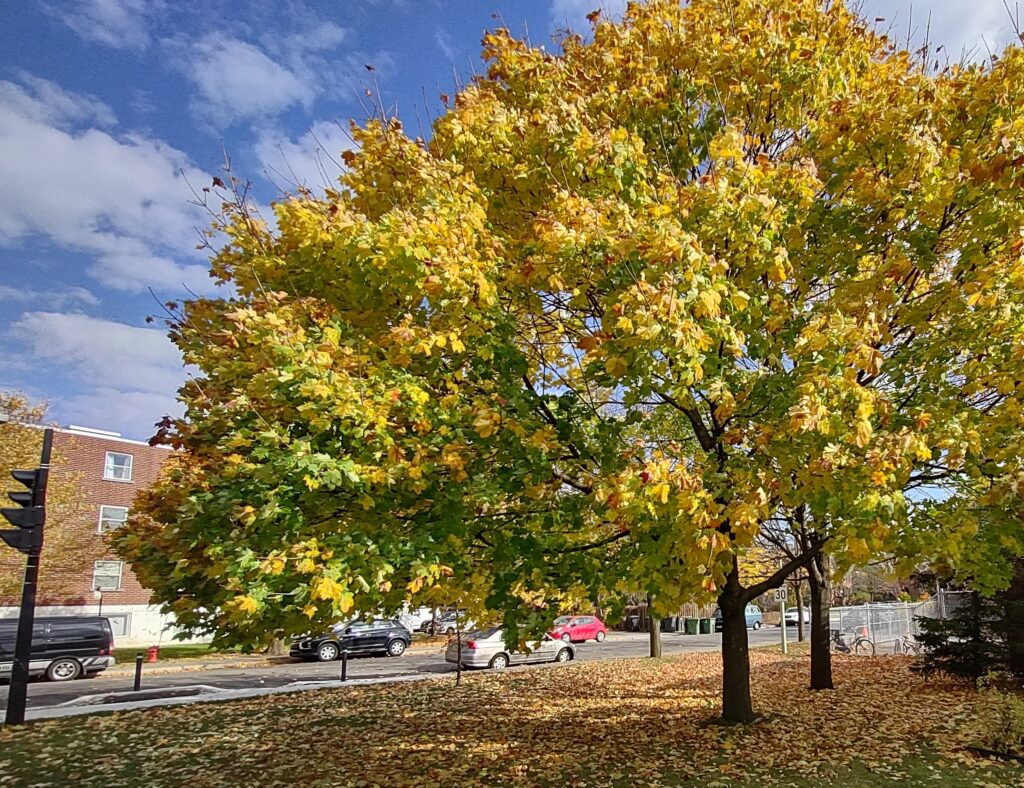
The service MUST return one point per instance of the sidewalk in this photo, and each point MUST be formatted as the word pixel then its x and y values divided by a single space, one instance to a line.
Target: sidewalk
pixel 185 696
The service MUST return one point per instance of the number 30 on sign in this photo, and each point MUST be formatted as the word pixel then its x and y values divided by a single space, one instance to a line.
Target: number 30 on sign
pixel 780 594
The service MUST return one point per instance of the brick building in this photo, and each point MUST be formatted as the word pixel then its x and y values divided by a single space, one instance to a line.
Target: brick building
pixel 105 472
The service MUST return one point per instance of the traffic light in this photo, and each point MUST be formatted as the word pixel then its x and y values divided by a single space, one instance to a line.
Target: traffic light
pixel 28 517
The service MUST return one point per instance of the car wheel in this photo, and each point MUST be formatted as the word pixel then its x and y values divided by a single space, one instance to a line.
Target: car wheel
pixel 566 638
pixel 600 636
pixel 498 661
pixel 757 625
pixel 564 655
pixel 396 647
pixel 327 652
pixel 64 669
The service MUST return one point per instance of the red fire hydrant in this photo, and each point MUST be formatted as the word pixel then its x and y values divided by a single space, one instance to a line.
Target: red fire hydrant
pixel 153 652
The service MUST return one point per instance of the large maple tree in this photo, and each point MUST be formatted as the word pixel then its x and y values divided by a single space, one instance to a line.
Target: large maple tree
pixel 629 302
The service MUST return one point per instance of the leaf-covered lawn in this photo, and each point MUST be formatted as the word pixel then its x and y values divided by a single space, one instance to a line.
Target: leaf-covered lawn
pixel 622 722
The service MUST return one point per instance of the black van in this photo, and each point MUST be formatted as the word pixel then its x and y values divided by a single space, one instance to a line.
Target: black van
pixel 63 648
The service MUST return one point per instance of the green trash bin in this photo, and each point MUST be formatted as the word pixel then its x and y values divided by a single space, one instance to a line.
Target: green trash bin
pixel 691 626
pixel 707 626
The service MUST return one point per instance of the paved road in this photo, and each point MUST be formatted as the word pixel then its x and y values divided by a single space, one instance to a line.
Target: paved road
pixel 619 644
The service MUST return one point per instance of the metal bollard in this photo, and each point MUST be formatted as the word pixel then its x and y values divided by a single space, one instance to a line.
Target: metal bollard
pixel 138 671
pixel 344 664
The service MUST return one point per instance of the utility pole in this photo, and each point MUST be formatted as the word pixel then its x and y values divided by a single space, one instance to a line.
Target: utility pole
pixel 29 520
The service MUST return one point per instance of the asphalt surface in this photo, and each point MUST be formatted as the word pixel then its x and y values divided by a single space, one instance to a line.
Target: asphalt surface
pixel 42 694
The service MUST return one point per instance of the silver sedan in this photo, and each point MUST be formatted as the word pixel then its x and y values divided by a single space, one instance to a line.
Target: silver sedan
pixel 486 649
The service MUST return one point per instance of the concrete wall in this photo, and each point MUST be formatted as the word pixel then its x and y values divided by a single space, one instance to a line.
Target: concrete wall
pixel 144 625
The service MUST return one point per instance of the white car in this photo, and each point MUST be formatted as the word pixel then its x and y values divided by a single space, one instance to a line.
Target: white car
pixel 414 618
pixel 487 649
pixel 793 613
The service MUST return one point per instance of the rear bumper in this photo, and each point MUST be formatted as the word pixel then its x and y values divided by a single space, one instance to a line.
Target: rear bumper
pixel 96 664
pixel 470 659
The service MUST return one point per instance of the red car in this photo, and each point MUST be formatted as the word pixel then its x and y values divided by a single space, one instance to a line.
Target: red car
pixel 577 629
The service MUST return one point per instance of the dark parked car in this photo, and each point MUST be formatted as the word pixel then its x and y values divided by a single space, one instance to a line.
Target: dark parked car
pixel 63 648
pixel 384 636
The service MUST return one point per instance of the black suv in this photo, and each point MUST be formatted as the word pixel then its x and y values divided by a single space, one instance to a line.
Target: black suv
pixel 63 648
pixel 384 636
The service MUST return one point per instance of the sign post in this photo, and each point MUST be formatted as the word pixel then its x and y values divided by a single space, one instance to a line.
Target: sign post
pixel 780 597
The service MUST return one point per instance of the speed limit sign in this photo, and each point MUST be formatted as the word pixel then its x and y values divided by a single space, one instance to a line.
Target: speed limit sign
pixel 780 594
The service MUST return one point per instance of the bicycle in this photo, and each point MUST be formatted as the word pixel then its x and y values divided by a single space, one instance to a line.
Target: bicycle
pixel 861 645
pixel 906 645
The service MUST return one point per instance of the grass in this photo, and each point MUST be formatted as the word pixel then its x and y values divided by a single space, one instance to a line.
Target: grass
pixel 184 651
pixel 624 723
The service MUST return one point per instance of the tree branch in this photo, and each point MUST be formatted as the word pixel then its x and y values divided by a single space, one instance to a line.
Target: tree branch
pixel 778 577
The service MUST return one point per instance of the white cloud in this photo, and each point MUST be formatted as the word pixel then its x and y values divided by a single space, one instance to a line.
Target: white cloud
pixel 313 160
pixel 573 13
pixel 58 299
pixel 132 266
pixel 121 24
pixel 959 26
pixel 50 103
pixel 132 413
pixel 237 80
pixel 239 76
pixel 444 42
pixel 102 353
pixel 124 199
pixel 122 377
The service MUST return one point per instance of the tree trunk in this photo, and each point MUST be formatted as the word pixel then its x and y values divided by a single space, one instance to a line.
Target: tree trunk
pixel 276 648
pixel 821 596
pixel 736 704
pixel 654 628
pixel 799 612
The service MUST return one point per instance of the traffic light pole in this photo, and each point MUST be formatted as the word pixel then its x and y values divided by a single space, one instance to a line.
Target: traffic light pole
pixel 18 695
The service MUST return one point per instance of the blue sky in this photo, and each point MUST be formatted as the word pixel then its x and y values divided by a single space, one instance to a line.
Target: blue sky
pixel 111 109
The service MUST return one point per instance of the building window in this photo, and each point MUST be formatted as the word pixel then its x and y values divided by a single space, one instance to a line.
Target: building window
pixel 120 624
pixel 106 576
pixel 118 467
pixel 112 517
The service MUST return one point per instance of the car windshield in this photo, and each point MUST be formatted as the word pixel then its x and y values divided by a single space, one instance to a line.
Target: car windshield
pixel 562 620
pixel 483 634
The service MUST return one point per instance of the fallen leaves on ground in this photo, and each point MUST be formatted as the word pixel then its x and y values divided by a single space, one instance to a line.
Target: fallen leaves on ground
pixel 618 722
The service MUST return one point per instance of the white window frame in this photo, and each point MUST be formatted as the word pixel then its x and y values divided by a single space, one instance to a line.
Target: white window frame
pixel 108 466
pixel 95 574
pixel 100 529
pixel 119 622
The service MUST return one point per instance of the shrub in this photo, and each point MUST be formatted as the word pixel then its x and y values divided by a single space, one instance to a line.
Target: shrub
pixel 1003 714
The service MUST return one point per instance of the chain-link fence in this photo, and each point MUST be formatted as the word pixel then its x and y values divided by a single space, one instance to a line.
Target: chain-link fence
pixel 889 621
pixel 879 623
